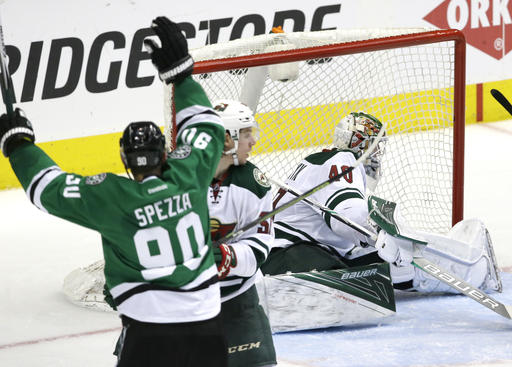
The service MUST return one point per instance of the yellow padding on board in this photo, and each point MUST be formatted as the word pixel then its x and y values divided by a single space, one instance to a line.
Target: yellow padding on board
pixel 85 156
pixel 96 154
pixel 310 126
pixel 493 111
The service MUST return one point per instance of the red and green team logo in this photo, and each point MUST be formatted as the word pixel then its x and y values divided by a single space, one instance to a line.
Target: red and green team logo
pixel 219 230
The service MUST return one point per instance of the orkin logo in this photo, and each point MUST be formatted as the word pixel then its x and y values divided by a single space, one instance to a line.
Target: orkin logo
pixel 486 24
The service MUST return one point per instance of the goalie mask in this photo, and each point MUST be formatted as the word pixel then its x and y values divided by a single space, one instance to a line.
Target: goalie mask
pixel 142 146
pixel 236 116
pixel 356 132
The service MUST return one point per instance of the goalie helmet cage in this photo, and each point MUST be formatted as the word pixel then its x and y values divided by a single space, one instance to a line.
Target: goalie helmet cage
pixel 301 84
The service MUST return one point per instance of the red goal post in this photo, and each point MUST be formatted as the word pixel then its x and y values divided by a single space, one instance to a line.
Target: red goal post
pixel 413 80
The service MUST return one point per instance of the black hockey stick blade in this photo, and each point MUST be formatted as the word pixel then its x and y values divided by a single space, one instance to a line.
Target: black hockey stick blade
pixel 463 287
pixel 502 100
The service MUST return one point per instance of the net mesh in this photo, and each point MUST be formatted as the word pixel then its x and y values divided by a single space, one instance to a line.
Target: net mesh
pixel 411 89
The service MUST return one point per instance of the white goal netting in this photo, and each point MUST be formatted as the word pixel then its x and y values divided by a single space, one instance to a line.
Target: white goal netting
pixel 301 84
pixel 410 88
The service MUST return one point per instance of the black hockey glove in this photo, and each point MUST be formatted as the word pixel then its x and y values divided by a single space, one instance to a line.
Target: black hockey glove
pixel 14 130
pixel 172 59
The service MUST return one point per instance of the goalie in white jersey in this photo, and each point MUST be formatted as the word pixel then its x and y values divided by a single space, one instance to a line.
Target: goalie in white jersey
pixel 307 238
pixel 238 194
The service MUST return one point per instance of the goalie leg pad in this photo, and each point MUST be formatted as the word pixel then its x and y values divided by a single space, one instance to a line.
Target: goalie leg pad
pixel 319 299
pixel 84 287
pixel 467 252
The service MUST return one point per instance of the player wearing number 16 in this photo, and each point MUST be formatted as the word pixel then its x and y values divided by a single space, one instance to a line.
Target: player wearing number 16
pixel 159 264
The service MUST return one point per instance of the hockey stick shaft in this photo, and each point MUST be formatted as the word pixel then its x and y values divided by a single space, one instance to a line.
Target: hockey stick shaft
pixel 419 262
pixel 498 96
pixel 313 203
pixel 282 207
pixel 6 81
pixel 310 192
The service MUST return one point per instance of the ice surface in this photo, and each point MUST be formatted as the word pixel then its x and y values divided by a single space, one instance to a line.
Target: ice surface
pixel 39 327
pixel 426 331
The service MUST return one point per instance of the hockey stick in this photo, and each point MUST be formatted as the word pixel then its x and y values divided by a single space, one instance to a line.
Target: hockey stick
pixel 502 100
pixel 5 81
pixel 419 262
pixel 310 192
pixel 283 207
pixel 323 208
pixel 463 287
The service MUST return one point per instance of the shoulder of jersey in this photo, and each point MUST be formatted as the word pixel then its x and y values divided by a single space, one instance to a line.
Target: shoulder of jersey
pixel 251 178
pixel 105 180
pixel 323 156
pixel 95 180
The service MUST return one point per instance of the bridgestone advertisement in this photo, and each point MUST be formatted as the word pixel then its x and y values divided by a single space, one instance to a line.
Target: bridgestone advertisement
pixel 79 68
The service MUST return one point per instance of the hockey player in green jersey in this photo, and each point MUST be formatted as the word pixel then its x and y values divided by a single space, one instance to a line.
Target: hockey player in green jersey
pixel 307 238
pixel 238 194
pixel 159 264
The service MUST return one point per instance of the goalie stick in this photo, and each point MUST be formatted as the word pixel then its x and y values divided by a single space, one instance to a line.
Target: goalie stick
pixel 5 81
pixel 326 210
pixel 419 262
pixel 502 100
pixel 310 192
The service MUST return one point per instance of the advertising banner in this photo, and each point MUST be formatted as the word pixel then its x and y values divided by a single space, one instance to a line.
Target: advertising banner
pixel 80 70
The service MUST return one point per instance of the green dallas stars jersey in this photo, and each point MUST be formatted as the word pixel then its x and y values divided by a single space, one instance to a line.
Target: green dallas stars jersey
pixel 159 265
pixel 234 201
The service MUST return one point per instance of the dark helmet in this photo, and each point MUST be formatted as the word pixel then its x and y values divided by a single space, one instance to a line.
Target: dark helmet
pixel 142 145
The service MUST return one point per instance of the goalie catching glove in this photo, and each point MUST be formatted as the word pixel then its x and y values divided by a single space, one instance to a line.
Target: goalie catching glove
pixel 14 130
pixel 172 59
pixel 225 258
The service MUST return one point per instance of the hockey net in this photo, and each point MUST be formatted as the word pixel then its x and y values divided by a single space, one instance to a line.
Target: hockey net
pixel 413 80
pixel 301 84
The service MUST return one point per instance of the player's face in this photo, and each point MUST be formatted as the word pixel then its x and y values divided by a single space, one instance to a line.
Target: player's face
pixel 245 143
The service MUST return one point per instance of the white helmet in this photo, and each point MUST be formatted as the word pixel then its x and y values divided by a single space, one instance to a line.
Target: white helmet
pixel 236 116
pixel 356 132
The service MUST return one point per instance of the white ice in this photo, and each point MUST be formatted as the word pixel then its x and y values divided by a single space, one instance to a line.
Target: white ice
pixel 39 327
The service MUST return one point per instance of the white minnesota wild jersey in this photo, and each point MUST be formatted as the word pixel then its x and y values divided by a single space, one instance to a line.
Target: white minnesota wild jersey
pixel 238 198
pixel 303 223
